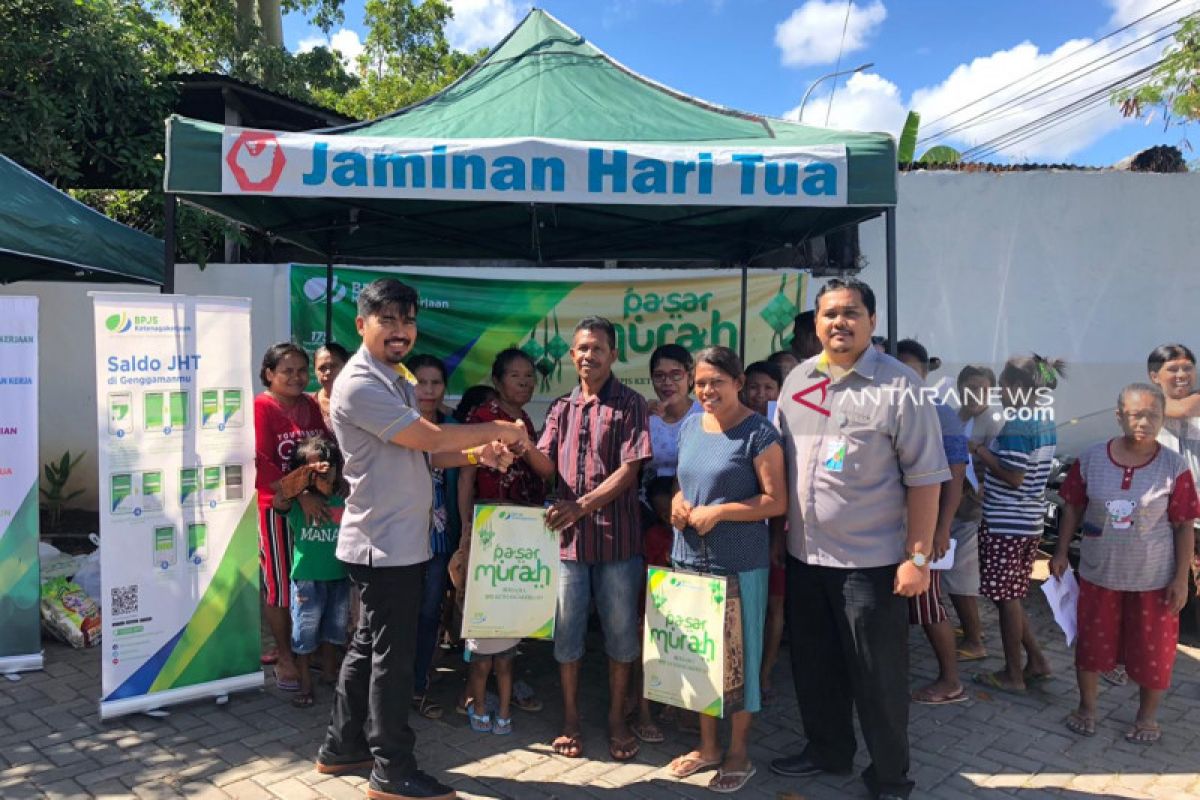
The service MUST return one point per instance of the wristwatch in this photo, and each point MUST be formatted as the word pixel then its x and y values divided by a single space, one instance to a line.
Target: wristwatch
pixel 918 559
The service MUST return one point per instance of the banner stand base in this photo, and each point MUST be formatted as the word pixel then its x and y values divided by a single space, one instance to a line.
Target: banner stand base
pixel 11 665
pixel 151 702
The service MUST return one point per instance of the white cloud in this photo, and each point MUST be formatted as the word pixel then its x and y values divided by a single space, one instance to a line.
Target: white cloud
pixel 480 23
pixel 813 33
pixel 345 41
pixel 995 95
pixel 866 102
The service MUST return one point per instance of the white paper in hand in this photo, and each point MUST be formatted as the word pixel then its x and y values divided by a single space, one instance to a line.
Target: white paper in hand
pixel 947 560
pixel 1063 596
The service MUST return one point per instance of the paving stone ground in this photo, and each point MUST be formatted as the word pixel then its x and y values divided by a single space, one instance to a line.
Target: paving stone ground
pixel 53 745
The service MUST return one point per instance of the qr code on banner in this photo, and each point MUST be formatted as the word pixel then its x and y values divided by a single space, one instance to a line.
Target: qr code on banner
pixel 125 600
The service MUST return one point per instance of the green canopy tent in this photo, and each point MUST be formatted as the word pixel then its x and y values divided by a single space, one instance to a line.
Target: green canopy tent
pixel 548 152
pixel 45 235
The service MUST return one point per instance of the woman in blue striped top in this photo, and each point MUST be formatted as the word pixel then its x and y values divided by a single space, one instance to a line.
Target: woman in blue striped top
pixel 1018 465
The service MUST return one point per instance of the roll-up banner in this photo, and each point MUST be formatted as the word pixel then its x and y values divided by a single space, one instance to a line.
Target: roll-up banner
pixel 20 640
pixel 179 561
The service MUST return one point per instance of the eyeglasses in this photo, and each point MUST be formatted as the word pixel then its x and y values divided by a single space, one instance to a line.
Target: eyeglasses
pixel 674 376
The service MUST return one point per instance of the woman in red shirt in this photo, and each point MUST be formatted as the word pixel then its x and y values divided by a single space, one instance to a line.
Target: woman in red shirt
pixel 283 417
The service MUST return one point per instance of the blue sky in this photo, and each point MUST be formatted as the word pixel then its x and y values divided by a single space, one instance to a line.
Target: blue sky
pixel 933 55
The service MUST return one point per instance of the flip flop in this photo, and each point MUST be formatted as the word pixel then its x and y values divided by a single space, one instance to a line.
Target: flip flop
pixel 303 700
pixel 1143 734
pixel 568 745
pixel 925 698
pixel 285 685
pixel 269 658
pixel 648 733
pixel 741 776
pixel 686 766
pixel 1084 726
pixel 623 749
pixel 1041 677
pixel 990 680
pixel 1116 676
pixel 966 655
pixel 524 698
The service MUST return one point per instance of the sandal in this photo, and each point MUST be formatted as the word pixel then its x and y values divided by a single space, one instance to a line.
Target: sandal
pixel 303 700
pixel 963 654
pixel 569 745
pixel 926 697
pixel 623 749
pixel 480 723
pixel 286 685
pixel 491 702
pixel 524 698
pixel 990 680
pixel 1116 676
pixel 648 732
pixel 502 726
pixel 426 707
pixel 1143 733
pixel 268 658
pixel 687 765
pixel 740 778
pixel 1078 723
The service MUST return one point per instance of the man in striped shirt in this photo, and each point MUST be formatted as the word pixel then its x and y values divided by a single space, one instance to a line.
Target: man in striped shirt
pixel 591 450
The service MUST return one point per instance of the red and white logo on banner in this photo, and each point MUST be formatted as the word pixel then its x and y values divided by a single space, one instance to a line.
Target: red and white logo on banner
pixel 256 161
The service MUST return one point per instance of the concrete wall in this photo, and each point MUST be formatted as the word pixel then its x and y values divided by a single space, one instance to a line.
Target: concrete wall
pixel 1096 268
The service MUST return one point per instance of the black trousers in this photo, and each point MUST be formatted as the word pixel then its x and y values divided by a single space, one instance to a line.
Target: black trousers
pixel 375 687
pixel 848 635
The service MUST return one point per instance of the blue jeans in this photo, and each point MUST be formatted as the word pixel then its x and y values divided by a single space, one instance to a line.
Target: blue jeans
pixel 430 618
pixel 320 613
pixel 616 585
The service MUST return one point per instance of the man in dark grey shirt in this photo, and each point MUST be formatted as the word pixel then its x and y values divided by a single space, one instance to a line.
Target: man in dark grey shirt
pixel 865 464
pixel 384 539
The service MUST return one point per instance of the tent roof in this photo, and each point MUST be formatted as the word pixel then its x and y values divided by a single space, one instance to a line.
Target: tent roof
pixel 546 82
pixel 46 235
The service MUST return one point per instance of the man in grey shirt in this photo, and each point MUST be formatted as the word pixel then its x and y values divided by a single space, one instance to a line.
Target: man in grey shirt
pixel 384 539
pixel 865 464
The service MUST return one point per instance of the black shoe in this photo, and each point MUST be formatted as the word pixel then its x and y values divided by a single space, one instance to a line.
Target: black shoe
pixel 417 786
pixel 800 766
pixel 335 764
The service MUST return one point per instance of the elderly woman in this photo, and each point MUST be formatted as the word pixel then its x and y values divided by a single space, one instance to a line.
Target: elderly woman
pixel 1137 502
pixel 731 481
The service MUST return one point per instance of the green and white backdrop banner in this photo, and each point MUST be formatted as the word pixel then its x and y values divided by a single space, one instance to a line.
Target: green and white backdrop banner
pixel 179 564
pixel 20 641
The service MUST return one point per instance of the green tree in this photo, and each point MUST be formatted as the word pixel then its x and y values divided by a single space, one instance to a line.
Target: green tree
pixel 1174 85
pixel 79 82
pixel 406 57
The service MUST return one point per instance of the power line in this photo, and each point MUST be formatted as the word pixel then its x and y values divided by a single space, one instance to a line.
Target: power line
pixel 838 67
pixel 1057 83
pixel 1058 116
pixel 1045 67
pixel 1095 98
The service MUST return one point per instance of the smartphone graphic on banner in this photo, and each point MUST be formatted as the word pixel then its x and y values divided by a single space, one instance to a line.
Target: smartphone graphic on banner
pixel 165 548
pixel 210 408
pixel 233 482
pixel 120 413
pixel 179 410
pixel 152 491
pixel 232 408
pixel 197 542
pixel 155 413
pixel 122 500
pixel 212 485
pixel 189 486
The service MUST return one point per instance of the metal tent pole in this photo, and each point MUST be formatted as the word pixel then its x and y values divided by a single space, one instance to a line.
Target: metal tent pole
pixel 170 207
pixel 889 218
pixel 329 300
pixel 742 319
